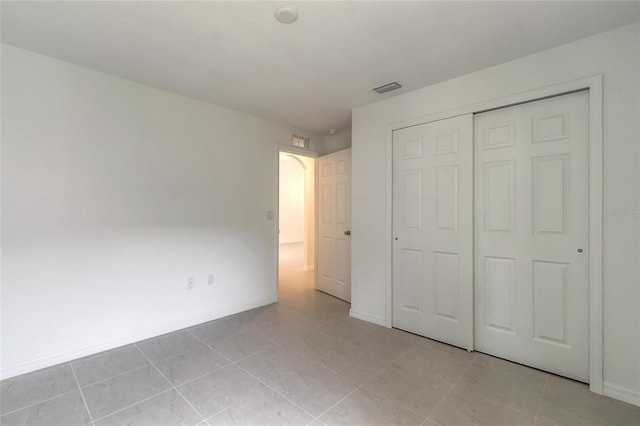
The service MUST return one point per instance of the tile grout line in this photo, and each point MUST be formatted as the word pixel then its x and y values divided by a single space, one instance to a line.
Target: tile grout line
pixel 453 385
pixel 187 331
pixel 113 377
pixel 235 333
pixel 231 362
pixel 132 405
pixel 147 363
pixel 427 419
pixel 204 324
pixel 351 343
pixel 272 341
pixel 172 356
pixel 393 361
pixel 337 403
pixel 353 339
pixel 310 361
pixel 351 380
pixel 373 391
pixel 316 362
pixel 295 370
pixel 36 403
pixel 222 411
pixel 499 403
pixel 202 418
pixel 242 399
pixel 276 391
pixel 223 355
pixel 185 352
pixel 544 388
pixel 486 398
pixel 493 401
pixel 236 363
pixel 203 375
pixel 377 354
pixel 81 393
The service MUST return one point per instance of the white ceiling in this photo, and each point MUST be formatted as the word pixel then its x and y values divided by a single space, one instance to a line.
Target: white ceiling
pixel 308 74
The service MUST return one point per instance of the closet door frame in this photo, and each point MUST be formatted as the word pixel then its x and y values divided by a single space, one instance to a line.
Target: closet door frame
pixel 594 85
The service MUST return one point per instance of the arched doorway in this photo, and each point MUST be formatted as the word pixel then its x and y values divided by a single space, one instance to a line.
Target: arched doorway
pixel 296 221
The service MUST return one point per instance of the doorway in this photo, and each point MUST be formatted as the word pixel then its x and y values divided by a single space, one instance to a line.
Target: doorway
pixel 296 224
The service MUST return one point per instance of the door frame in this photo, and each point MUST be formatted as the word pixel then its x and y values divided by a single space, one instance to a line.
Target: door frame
pixel 286 149
pixel 594 85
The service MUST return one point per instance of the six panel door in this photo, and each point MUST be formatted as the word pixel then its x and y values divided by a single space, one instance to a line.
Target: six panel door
pixel 432 230
pixel 334 224
pixel 531 234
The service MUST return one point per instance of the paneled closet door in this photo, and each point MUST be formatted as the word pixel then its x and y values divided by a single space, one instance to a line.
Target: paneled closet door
pixel 432 230
pixel 531 234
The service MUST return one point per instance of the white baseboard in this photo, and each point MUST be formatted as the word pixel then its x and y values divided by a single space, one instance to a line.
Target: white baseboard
pixel 308 267
pixel 620 393
pixel 367 317
pixel 75 353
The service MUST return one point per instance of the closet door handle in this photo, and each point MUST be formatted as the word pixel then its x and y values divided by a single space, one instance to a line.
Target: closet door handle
pixel 347 232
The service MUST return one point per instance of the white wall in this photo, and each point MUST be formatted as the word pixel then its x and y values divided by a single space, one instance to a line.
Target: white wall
pixel 615 55
pixel 291 200
pixel 336 142
pixel 113 194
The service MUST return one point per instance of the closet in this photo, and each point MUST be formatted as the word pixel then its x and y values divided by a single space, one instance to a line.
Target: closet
pixel 490 230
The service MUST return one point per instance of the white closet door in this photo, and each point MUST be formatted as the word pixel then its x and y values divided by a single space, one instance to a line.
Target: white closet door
pixel 432 230
pixel 334 224
pixel 531 234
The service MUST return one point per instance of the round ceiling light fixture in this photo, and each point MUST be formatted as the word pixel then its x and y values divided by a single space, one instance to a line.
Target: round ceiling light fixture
pixel 286 15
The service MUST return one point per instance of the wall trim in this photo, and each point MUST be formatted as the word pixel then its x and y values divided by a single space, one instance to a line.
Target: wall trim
pixel 620 393
pixel 594 85
pixel 79 352
pixel 367 317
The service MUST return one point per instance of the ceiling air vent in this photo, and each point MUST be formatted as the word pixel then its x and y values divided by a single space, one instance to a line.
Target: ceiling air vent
pixel 300 141
pixel 387 87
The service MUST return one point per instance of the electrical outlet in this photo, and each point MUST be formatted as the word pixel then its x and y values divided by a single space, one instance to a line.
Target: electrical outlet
pixel 191 283
pixel 211 281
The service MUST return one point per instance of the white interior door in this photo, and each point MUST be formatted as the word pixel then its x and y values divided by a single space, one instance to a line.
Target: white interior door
pixel 531 234
pixel 334 224
pixel 432 230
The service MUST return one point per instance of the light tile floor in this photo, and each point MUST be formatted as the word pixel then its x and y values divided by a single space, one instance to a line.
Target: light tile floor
pixel 300 361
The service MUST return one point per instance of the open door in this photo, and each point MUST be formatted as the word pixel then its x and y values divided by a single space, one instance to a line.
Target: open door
pixel 334 224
